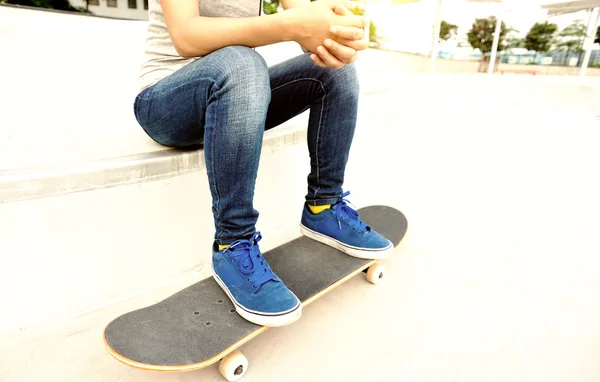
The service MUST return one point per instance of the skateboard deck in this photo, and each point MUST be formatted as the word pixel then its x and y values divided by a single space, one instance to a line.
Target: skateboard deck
pixel 199 326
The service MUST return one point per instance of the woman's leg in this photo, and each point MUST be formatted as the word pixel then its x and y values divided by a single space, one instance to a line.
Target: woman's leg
pixel 332 96
pixel 222 99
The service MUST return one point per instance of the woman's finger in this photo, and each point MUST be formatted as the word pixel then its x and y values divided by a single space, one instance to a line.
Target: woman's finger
pixel 328 58
pixel 357 45
pixel 317 61
pixel 342 10
pixel 343 53
pixel 348 33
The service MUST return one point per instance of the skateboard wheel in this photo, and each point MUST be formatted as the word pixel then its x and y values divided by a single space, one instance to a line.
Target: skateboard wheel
pixel 375 274
pixel 233 366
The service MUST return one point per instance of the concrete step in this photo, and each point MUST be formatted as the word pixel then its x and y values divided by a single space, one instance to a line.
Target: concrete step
pixel 80 251
pixel 82 188
pixel 496 281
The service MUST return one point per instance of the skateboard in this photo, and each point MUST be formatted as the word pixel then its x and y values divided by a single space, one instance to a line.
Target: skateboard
pixel 198 326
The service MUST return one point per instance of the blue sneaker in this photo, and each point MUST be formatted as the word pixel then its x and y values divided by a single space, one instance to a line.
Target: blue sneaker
pixel 341 227
pixel 257 293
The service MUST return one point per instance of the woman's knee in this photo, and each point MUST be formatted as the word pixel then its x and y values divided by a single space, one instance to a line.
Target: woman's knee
pixel 242 65
pixel 236 57
pixel 345 81
pixel 245 74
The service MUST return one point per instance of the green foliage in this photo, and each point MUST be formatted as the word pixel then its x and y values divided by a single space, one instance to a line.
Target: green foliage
pixel 447 30
pixel 62 5
pixel 481 35
pixel 513 42
pixel 571 38
pixel 541 36
pixel 373 37
pixel 597 40
pixel 270 6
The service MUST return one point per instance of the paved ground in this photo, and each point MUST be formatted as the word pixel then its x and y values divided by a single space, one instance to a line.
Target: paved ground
pixel 497 279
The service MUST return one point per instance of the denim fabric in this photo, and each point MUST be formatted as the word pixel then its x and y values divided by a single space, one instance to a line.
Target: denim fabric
pixel 227 100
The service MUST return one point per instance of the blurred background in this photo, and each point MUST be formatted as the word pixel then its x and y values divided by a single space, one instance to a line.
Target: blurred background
pixel 549 35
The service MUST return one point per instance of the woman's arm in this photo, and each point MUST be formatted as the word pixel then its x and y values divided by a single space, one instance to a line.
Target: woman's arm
pixel 287 4
pixel 194 35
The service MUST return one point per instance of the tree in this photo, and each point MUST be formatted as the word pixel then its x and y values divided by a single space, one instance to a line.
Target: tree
pixel 62 5
pixel 571 38
pixel 447 30
pixel 540 36
pixel 270 6
pixel 373 36
pixel 597 40
pixel 513 42
pixel 481 35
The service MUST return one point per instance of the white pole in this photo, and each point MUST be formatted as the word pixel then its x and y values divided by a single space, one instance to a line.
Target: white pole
pixel 496 42
pixel 589 41
pixel 436 36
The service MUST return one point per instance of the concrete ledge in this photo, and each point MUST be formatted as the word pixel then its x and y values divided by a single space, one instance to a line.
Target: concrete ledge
pixel 60 12
pixel 83 136
pixel 17 185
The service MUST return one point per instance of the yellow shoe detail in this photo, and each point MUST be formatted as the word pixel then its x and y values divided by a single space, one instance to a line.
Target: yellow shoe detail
pixel 319 209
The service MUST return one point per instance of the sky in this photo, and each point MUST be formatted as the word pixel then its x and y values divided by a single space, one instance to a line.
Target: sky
pixel 522 17
pixel 463 13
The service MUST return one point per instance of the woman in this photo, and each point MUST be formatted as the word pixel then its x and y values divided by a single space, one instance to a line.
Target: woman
pixel 202 81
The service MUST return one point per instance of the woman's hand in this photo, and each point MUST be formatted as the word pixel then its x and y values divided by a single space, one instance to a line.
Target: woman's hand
pixel 344 47
pixel 343 37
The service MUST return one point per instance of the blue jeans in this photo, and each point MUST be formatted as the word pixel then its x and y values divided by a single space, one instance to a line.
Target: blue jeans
pixel 227 100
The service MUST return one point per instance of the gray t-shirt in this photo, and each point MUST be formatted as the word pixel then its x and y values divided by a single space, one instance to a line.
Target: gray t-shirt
pixel 160 56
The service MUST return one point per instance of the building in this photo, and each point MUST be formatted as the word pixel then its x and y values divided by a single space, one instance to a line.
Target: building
pixel 123 9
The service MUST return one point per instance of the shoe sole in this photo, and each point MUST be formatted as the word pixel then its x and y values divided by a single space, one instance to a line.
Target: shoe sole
pixel 260 318
pixel 361 253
